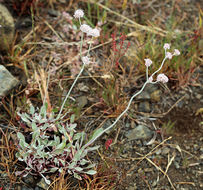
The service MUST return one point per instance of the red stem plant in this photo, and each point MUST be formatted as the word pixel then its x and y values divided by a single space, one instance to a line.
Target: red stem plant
pixel 119 49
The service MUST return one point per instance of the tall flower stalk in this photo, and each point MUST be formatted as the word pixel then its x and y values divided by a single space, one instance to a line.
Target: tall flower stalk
pixel 85 60
pixel 160 78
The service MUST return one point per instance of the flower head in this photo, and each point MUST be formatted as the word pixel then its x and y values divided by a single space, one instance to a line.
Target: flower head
pixel 176 52
pixel 94 33
pixel 85 28
pixel 167 46
pixel 148 62
pixel 169 55
pixel 79 13
pixel 85 60
pixel 162 78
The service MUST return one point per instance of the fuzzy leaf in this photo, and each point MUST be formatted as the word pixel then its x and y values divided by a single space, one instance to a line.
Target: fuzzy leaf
pixel 35 134
pixel 77 136
pixel 51 143
pixel 71 127
pixel 83 162
pixel 91 172
pixel 79 169
pixel 34 126
pixel 72 165
pixel 24 118
pixel 52 170
pixel 77 176
pixel 20 136
pixel 90 166
pixel 72 118
pixel 77 155
pixel 62 145
pixel 32 109
pixel 97 133
pixel 58 151
pixel 92 148
pixel 23 144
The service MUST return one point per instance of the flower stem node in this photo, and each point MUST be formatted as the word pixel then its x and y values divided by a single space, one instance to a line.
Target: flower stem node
pixel 151 79
pixel 169 55
pixel 85 60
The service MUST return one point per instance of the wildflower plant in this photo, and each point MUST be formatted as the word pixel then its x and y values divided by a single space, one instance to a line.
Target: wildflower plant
pixel 56 145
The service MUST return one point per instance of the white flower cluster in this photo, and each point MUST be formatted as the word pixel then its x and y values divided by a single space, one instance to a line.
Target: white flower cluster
pixel 161 77
pixel 79 13
pixel 86 28
pixel 148 62
pixel 168 54
pixel 90 31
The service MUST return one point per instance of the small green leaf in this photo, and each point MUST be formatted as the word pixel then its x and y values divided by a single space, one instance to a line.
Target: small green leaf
pixel 96 134
pixel 43 111
pixel 92 148
pixel 77 176
pixel 58 151
pixel 91 172
pixel 79 169
pixel 83 162
pixel 72 165
pixel 77 136
pixel 72 118
pixel 32 109
pixel 62 145
pixel 52 170
pixel 90 166
pixel 24 118
pixel 20 136
pixel 34 126
pixel 23 144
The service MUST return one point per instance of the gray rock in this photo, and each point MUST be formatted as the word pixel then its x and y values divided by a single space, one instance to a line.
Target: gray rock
pixel 165 150
pixel 106 125
pixel 26 188
pixel 151 88
pixel 140 132
pixel 155 96
pixel 198 96
pixel 7 81
pixel 144 107
pixel 143 96
pixel 177 166
pixel 158 152
pixel 38 188
pixel 42 184
pixel 29 179
pixel 82 101
pixel 53 13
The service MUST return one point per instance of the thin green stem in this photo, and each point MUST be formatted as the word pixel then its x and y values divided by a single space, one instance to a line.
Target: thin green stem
pixel 81 70
pixel 147 73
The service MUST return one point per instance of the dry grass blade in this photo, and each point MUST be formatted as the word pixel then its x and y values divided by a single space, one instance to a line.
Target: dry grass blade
pixel 155 30
pixel 7 160
pixel 170 161
pixel 157 167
